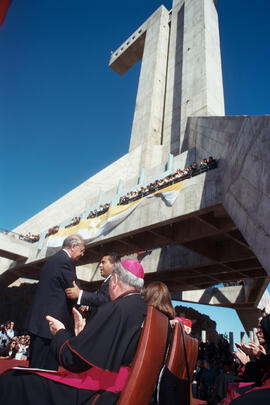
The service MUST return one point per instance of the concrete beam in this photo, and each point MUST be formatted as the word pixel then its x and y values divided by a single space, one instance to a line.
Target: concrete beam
pixel 228 297
pixel 130 52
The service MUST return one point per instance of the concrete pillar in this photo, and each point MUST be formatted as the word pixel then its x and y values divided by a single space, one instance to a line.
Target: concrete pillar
pixel 141 176
pixel 64 223
pixel 180 75
pixel 204 336
pixel 100 195
pixel 148 116
pixel 84 214
pixel 119 188
pixel 194 79
pixel 170 163
pixel 119 193
pixel 41 239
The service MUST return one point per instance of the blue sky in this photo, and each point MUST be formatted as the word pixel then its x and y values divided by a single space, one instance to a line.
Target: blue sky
pixel 64 114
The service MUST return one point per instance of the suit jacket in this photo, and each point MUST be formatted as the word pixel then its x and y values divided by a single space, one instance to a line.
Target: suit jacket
pixel 50 299
pixel 97 298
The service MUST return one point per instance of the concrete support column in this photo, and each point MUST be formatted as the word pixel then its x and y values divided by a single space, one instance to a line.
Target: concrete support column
pixel 141 177
pixel 41 239
pixel 170 163
pixel 100 195
pixel 119 188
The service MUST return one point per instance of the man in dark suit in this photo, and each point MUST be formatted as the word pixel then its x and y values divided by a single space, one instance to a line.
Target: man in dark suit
pixel 94 300
pixel 50 299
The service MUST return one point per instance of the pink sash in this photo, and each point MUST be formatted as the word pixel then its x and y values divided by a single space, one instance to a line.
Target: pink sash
pixel 93 379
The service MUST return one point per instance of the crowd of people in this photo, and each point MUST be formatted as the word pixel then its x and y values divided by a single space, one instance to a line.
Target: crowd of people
pixel 213 360
pixel 74 221
pixel 29 237
pixel 99 211
pixel 52 231
pixel 179 175
pixel 13 345
pixel 241 377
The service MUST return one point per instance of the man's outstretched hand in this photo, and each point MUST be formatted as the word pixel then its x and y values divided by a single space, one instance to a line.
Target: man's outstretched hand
pixel 73 292
pixel 79 321
pixel 54 324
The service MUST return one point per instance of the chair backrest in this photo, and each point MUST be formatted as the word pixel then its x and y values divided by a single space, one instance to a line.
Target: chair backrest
pixel 176 359
pixel 148 360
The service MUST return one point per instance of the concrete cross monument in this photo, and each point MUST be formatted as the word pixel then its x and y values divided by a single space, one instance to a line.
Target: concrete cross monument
pixel 180 75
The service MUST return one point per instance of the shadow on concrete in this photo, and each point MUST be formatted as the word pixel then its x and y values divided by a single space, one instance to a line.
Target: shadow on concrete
pixel 177 95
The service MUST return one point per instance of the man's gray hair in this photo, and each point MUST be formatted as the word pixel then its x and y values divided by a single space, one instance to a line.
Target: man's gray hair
pixel 76 240
pixel 126 277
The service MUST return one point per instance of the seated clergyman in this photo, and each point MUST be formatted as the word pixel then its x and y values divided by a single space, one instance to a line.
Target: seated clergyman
pixel 97 357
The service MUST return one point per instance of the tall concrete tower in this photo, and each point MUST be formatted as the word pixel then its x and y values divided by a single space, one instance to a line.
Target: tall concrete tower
pixel 180 76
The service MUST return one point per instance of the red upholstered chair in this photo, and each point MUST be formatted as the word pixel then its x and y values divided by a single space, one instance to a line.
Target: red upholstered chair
pixel 148 360
pixel 176 359
pixel 180 362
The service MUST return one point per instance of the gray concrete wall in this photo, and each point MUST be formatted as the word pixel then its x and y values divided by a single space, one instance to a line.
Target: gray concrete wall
pixel 242 147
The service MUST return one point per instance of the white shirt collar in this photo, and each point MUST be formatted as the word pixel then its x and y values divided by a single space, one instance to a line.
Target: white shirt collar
pixel 67 252
pixel 106 279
